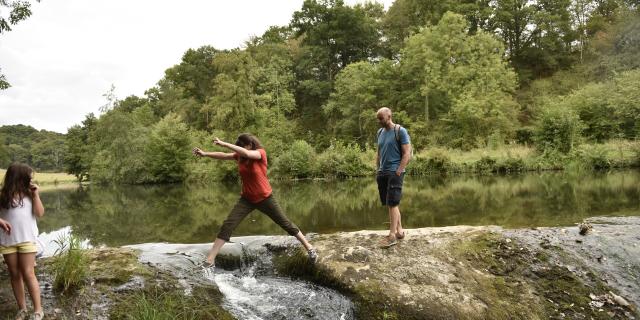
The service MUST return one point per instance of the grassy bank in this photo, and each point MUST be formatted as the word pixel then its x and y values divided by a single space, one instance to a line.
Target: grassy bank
pixel 114 285
pixel 346 161
pixel 519 158
pixel 49 178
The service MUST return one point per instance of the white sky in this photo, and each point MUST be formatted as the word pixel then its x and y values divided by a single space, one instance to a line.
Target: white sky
pixel 62 59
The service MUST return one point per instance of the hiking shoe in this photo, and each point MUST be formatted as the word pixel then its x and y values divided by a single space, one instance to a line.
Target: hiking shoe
pixel 22 315
pixel 402 235
pixel 313 255
pixel 38 315
pixel 388 242
pixel 206 265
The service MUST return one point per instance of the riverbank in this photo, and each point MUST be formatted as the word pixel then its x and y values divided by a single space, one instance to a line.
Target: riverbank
pixel 348 161
pixel 487 272
pixel 519 158
pixel 119 287
pixel 50 178
pixel 456 272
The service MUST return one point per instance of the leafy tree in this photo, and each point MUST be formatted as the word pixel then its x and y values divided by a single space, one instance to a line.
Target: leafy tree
pixel 537 34
pixel 43 150
pixel 610 109
pixel 4 153
pixel 407 17
pixel 79 151
pixel 168 149
pixel 338 34
pixel 360 89
pixel 48 154
pixel 232 105
pixel 273 91
pixel 195 73
pixel 118 149
pixel 468 73
pixel 131 103
pixel 332 35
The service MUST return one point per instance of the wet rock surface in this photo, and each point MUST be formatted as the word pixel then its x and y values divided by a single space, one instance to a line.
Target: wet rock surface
pixel 434 273
pixel 491 273
pixel 610 251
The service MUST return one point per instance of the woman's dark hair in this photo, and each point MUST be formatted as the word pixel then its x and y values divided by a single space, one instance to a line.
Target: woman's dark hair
pixel 247 139
pixel 16 184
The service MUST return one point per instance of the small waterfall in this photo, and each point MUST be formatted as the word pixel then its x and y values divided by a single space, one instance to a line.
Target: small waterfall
pixel 252 289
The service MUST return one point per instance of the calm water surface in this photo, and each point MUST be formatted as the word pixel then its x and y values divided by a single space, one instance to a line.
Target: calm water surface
pixel 119 215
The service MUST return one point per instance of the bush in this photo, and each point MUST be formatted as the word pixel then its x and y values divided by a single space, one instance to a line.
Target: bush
pixel 597 158
pixel 168 150
pixel 342 161
pixel 297 162
pixel 485 165
pixel 70 263
pixel 557 129
pixel 436 162
pixel 612 154
pixel 525 135
pixel 610 109
pixel 510 165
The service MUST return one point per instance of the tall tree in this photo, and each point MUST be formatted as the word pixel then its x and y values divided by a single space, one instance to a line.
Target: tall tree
pixel 470 72
pixel 360 89
pixel 232 104
pixel 332 35
pixel 79 151
pixel 538 35
pixel 406 17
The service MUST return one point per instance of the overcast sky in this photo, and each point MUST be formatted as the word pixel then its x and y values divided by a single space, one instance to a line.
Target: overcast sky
pixel 62 59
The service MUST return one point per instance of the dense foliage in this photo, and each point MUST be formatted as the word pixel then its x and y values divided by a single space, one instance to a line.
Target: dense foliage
pixel 459 75
pixel 43 150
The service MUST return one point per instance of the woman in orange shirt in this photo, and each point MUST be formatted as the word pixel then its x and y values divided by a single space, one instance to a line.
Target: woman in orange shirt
pixel 256 192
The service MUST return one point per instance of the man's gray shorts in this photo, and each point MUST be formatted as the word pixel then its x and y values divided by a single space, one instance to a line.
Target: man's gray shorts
pixel 390 188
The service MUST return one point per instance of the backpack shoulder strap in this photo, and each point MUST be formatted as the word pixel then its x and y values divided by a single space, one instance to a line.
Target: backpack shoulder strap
pixel 379 133
pixel 396 130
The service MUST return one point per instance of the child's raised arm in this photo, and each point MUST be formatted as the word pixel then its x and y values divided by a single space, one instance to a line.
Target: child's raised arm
pixel 38 208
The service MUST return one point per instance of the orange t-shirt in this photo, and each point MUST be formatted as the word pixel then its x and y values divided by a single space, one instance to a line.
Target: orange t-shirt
pixel 253 173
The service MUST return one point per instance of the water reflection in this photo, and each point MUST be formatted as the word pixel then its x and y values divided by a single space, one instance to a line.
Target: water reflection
pixel 119 215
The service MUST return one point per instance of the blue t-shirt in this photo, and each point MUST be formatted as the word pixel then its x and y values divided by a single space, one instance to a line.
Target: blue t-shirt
pixel 389 150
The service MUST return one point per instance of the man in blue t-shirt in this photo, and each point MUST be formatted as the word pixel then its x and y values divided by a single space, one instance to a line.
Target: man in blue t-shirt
pixel 394 153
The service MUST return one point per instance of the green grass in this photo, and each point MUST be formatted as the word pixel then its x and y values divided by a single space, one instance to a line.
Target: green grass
pixel 171 304
pixel 70 264
pixel 48 178
pixel 519 158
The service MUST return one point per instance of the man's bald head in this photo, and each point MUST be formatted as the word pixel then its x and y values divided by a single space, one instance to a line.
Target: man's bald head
pixel 384 111
pixel 384 117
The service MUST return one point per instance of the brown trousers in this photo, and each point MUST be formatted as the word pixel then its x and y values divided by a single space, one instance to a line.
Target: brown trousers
pixel 243 207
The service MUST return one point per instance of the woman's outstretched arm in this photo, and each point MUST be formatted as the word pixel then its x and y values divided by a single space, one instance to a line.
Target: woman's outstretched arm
pixel 245 153
pixel 215 155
